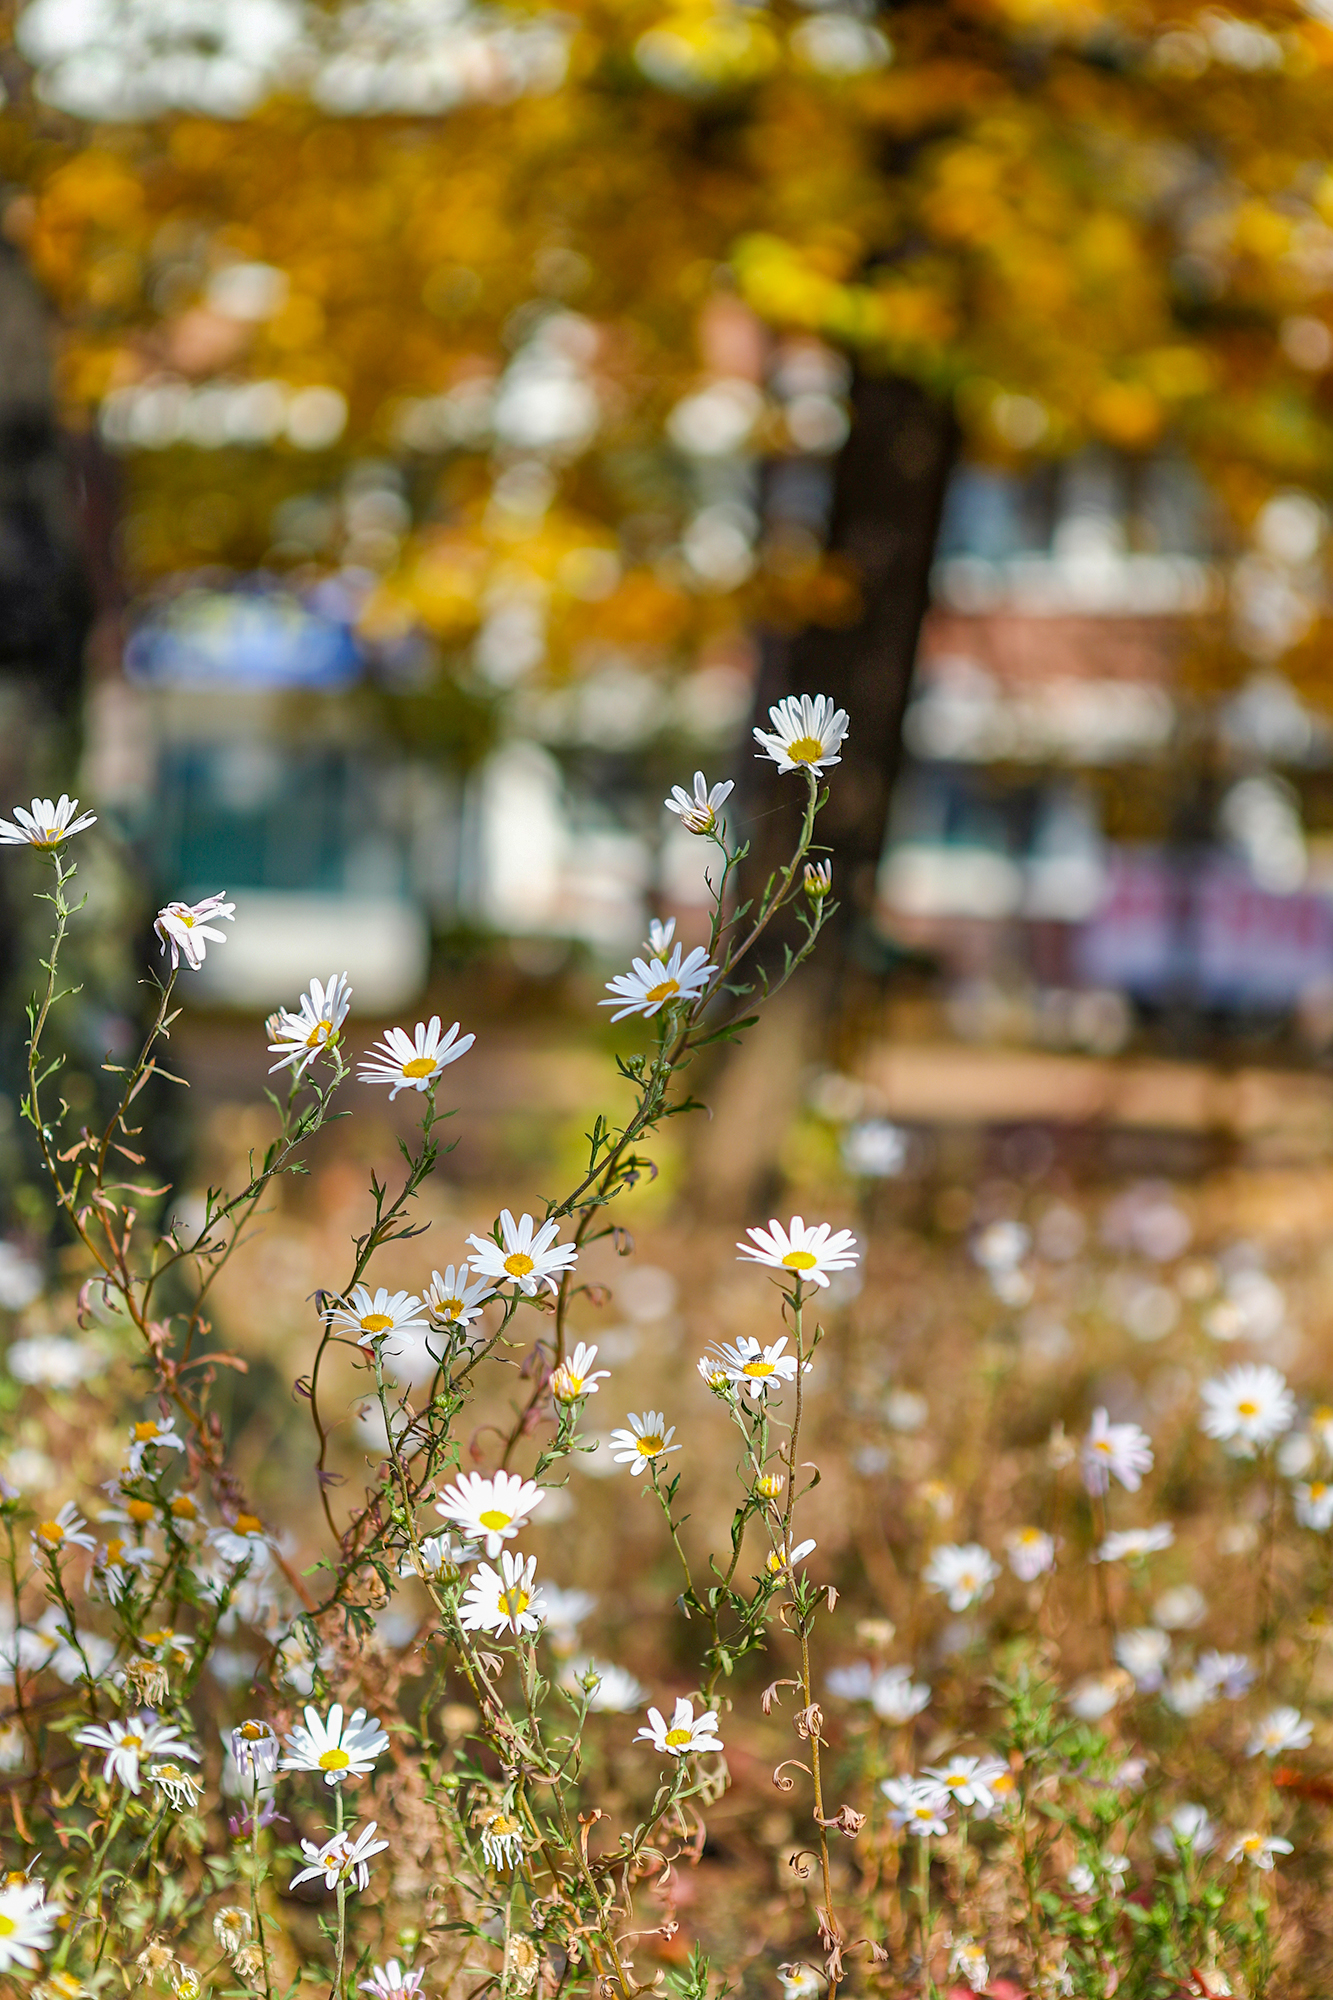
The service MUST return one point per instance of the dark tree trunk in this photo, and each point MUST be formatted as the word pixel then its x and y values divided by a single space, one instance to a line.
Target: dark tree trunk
pixel 888 492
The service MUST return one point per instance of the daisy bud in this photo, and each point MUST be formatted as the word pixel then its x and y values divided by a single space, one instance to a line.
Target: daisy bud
pixel 818 880
pixel 769 1485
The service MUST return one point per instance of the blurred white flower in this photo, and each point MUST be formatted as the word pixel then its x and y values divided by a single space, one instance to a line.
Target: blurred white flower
pixel 1314 1505
pixel 1133 1544
pixel 968 1780
pixel 1143 1653
pixel 918 1805
pixel 1261 1849
pixel 1281 1729
pixel 1095 1696
pixel 962 1573
pixel 49 1361
pixel 610 1689
pixel 1250 1404
pixel 1119 1451
pixel 1031 1553
pixel 1189 1828
pixel 1230 1675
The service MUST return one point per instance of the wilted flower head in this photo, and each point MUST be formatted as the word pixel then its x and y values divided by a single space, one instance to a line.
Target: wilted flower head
pixel 184 929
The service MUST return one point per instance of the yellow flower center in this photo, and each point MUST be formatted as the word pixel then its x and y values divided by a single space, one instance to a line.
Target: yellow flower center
pixel 805 750
pixel 334 1760
pixel 182 1506
pixel 757 1368
pixel 114 1551
pixel 1102 1445
pixel 924 1812
pixel 319 1034
pixel 665 991
pixel 502 1825
pixel 650 1443
pixel 518 1264
pixel 1317 1489
pixel 514 1601
pixel 249 1524
pixel 676 1737
pixel 419 1066
pixel 376 1323
pixel 7 1924
pixel 450 1308
pixel 51 1531
pixel 139 1510
pixel 800 1260
pixel 145 1433
pixel 493 1520
pixel 187 920
pixel 131 1742
pixel 1247 1409
pixel 171 1772
pixel 254 1732
pixel 777 1561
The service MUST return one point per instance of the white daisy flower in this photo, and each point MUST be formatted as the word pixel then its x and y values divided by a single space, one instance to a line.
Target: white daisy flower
pixel 962 1573
pixel 1143 1652
pixel 503 1600
pixel 243 1540
pixel 576 1377
pixel 1230 1675
pixel 646 1437
pixel 527 1256
pixel 440 1555
pixel 150 1435
pixel 754 1368
pixel 918 1805
pixel 1133 1544
pixel 455 1297
pixel 660 936
pixel 369 1319
pixel 47 825
pixel 810 1253
pixel 1260 1849
pixel 392 1981
pixel 699 810
pixel 565 1612
pixel 415 1061
pixel 653 983
pixel 610 1690
pixel 341 1858
pixel 177 1786
pixel 1031 1553
pixel 27 1920
pixel 1115 1451
pixel 65 1530
pixel 339 1749
pixel 128 1744
pixel 502 1840
pixel 1281 1729
pixel 492 1508
pixel 807 733
pixel 113 1566
pixel 1314 1505
pixel 184 929
pixel 297 1039
pixel 685 1733
pixel 1251 1403
pixel 255 1750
